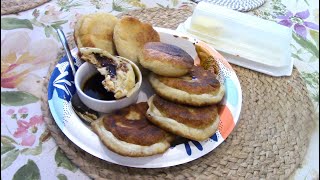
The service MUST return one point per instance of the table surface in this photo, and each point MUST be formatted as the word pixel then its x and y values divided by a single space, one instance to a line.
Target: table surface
pixel 26 145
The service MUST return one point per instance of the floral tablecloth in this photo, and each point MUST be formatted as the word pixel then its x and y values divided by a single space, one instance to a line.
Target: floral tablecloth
pixel 29 45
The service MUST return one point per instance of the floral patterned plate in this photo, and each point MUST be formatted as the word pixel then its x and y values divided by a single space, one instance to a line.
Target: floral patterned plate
pixel 61 88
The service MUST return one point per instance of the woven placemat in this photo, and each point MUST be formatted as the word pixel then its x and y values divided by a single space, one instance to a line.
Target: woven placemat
pixel 15 6
pixel 269 141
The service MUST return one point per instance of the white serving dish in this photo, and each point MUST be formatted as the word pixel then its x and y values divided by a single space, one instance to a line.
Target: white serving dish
pixel 105 106
pixel 243 39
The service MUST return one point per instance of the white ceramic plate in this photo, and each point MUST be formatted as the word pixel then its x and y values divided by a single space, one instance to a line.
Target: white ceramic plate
pixel 61 88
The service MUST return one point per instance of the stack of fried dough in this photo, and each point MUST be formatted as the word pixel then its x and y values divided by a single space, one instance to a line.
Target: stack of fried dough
pixel 185 103
pixel 186 95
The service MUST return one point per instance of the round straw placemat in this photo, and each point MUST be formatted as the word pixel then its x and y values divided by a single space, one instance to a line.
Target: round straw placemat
pixel 15 6
pixel 269 141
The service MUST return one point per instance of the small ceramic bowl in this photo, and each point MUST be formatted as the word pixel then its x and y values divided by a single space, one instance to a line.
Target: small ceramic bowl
pixel 87 70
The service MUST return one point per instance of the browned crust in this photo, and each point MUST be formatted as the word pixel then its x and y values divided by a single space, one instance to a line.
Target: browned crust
pixel 198 81
pixel 124 128
pixel 95 128
pixel 167 54
pixel 196 117
pixel 176 132
pixel 97 124
pixel 181 101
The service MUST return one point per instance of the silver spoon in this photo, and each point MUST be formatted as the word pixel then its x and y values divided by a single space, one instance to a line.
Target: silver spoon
pixel 66 48
pixel 84 112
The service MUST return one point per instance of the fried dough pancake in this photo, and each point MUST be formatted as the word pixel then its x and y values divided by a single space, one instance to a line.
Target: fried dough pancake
pixel 198 88
pixel 130 35
pixel 119 74
pixel 96 30
pixel 165 59
pixel 129 133
pixel 196 123
pixel 207 60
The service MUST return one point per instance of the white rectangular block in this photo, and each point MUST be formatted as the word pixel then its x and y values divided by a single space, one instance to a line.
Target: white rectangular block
pixel 246 40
